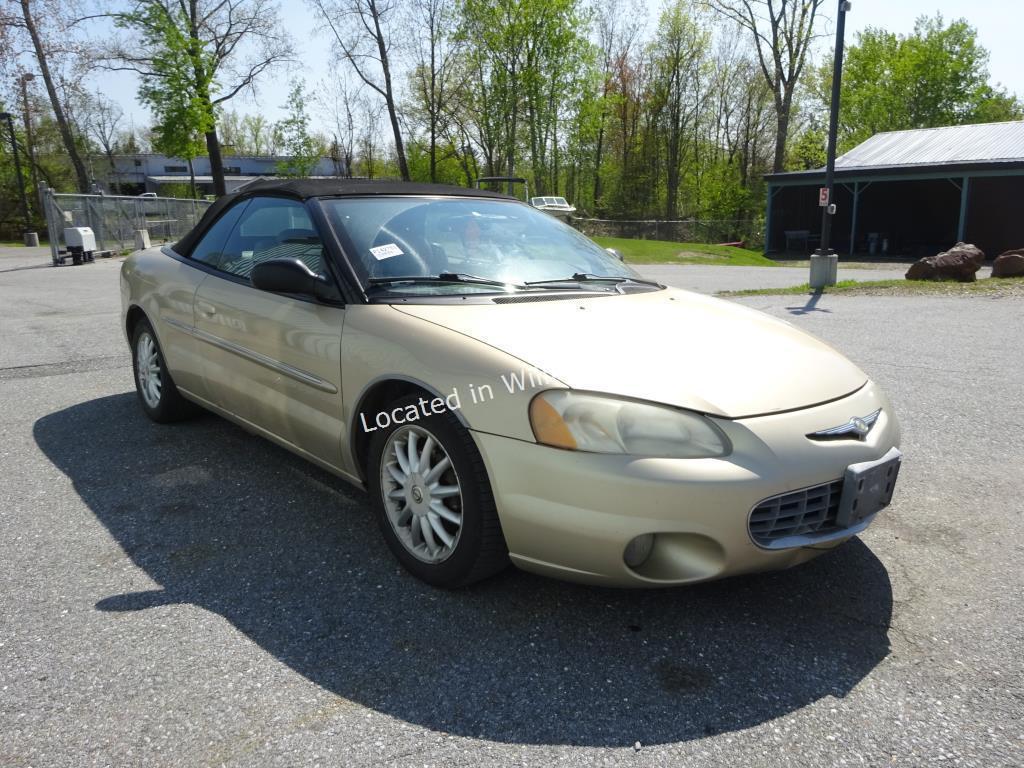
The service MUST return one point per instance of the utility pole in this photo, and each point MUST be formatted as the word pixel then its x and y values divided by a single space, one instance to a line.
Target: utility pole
pixel 17 172
pixel 824 262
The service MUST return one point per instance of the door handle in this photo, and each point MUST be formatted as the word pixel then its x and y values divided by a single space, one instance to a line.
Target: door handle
pixel 207 309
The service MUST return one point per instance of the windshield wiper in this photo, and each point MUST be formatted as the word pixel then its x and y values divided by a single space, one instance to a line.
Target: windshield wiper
pixel 445 277
pixel 586 277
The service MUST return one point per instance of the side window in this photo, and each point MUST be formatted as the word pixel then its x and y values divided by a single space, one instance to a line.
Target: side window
pixel 210 249
pixel 272 228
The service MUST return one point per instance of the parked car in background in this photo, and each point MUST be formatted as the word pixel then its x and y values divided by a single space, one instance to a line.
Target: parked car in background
pixel 506 389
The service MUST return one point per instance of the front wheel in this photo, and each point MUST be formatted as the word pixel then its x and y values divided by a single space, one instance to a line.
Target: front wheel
pixel 433 500
pixel 158 396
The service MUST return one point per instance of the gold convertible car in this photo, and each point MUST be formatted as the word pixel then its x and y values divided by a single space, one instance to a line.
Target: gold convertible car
pixel 506 389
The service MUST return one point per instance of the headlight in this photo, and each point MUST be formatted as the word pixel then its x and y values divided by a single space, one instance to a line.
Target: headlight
pixel 604 424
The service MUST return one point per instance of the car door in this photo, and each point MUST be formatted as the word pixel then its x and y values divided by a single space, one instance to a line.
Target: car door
pixel 273 360
pixel 175 294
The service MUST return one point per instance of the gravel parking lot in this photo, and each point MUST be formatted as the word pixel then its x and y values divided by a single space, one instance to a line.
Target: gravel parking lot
pixel 192 595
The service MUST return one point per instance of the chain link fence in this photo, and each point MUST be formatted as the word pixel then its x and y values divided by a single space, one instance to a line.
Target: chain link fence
pixel 747 231
pixel 114 219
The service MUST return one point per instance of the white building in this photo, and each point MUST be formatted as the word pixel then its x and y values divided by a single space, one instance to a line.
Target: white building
pixel 134 174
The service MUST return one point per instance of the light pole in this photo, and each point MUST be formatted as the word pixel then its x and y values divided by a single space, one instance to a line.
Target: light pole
pixel 17 172
pixel 824 262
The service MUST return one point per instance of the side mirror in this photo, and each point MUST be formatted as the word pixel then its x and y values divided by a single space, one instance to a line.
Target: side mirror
pixel 287 276
pixel 616 253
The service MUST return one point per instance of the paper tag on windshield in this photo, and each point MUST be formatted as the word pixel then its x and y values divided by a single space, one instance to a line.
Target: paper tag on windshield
pixel 386 251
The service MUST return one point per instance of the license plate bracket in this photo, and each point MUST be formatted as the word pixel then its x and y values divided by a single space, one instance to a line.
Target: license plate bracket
pixel 868 488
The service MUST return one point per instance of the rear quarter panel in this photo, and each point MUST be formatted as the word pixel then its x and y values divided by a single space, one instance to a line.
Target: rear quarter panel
pixel 164 288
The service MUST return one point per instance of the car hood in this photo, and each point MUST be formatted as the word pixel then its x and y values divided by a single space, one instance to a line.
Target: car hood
pixel 668 346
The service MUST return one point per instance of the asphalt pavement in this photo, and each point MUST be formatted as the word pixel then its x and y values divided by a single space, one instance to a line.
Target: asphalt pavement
pixel 193 595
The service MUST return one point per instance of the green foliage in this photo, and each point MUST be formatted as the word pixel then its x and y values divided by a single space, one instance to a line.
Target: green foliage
pixel 449 170
pixel 808 150
pixel 177 189
pixel 179 82
pixel 526 59
pixel 936 76
pixel 302 151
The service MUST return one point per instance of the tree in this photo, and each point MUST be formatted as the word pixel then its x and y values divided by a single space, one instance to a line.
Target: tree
pixel 807 152
pixel 338 100
pixel 256 136
pixel 230 132
pixel 558 60
pixel 48 28
pixel 617 29
pixel 434 58
pixel 190 55
pixel 498 31
pixel 104 125
pixel 178 130
pixel 363 37
pixel 301 149
pixel 782 31
pixel 938 75
pixel 679 51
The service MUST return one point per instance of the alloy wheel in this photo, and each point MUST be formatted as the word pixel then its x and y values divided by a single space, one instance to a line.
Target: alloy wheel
pixel 147 365
pixel 422 494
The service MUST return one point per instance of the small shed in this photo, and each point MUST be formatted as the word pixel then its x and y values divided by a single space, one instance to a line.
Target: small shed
pixel 909 193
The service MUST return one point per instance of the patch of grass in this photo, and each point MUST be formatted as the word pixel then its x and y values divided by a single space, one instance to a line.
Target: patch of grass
pixel 17 243
pixel 663 252
pixel 992 286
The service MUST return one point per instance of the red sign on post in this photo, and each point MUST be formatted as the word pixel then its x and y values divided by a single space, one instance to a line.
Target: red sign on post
pixel 823 197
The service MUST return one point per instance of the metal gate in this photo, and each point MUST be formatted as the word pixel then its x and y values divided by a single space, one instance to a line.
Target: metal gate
pixel 115 219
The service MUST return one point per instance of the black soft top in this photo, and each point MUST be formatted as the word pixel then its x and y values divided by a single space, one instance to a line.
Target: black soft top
pixel 303 189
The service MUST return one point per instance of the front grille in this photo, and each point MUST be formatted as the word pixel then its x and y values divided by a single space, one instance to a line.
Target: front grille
pixel 809 512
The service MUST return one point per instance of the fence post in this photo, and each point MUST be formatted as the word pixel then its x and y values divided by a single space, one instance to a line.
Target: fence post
pixel 49 211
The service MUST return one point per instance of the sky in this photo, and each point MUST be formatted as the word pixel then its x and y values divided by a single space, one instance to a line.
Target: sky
pixel 998 23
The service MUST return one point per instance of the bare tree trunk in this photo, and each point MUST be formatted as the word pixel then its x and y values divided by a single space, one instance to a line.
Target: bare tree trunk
pixel 216 163
pixel 389 94
pixel 58 111
pixel 781 133
pixel 597 159
pixel 192 178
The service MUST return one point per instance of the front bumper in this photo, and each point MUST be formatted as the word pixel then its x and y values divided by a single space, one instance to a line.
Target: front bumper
pixel 570 515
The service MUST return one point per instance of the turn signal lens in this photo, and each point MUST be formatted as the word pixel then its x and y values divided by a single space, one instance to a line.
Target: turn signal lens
pixel 548 426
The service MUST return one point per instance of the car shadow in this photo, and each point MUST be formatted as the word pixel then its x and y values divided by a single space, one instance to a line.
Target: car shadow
pixel 291 557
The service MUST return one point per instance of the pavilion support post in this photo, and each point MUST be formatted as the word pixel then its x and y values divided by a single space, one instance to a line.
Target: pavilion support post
pixel 961 227
pixel 853 216
pixel 768 220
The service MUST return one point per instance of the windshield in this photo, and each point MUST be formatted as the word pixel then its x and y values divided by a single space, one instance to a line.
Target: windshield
pixel 474 242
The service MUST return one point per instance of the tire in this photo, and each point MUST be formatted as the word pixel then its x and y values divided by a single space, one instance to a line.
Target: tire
pixel 154 386
pixel 476 548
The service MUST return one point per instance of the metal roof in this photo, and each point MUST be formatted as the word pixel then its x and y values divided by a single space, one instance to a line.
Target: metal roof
pixel 985 144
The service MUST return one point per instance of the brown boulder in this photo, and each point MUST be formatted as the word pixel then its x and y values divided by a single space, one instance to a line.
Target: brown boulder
pixel 959 263
pixel 971 250
pixel 1009 264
